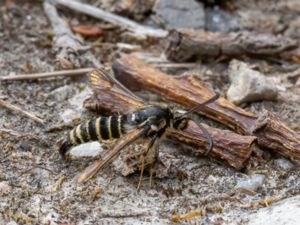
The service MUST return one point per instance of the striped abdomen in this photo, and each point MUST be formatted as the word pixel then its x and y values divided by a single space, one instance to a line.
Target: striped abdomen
pixel 99 129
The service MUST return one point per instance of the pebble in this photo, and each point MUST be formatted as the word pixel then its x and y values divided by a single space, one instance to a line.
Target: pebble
pixel 62 93
pixel 218 20
pixel 181 14
pixel 251 183
pixel 76 108
pixel 12 223
pixel 283 212
pixel 77 100
pixel 91 149
pixel 283 164
pixel 69 115
pixel 248 85
pixel 4 187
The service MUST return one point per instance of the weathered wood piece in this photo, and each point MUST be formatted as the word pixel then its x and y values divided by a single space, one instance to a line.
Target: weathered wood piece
pixel 68 47
pixel 185 45
pixel 128 24
pixel 190 91
pixel 235 149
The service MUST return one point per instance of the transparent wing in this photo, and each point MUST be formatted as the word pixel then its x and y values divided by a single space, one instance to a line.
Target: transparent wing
pixel 103 81
pixel 109 156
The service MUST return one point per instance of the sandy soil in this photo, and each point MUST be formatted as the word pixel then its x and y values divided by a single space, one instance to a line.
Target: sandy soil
pixel 40 187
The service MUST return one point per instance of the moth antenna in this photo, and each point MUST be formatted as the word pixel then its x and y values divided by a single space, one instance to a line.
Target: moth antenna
pixel 195 108
pixel 207 136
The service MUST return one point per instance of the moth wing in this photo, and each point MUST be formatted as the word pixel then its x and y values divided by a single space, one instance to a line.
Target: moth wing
pixel 128 139
pixel 103 81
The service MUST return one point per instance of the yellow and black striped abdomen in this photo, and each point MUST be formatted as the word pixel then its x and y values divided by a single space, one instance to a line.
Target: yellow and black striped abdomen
pixel 100 129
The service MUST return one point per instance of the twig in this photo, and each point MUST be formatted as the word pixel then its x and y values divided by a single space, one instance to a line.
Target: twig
pixel 16 109
pixel 37 166
pixel 189 91
pixel 17 134
pixel 78 72
pixel 113 18
pixel 32 76
pixel 11 132
pixel 185 45
pixel 233 148
pixel 58 183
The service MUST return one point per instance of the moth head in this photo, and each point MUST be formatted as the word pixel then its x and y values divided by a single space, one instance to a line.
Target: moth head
pixel 180 119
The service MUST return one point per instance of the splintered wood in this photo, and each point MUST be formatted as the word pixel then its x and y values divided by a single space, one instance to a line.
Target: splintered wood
pixel 190 91
pixel 187 44
pixel 235 149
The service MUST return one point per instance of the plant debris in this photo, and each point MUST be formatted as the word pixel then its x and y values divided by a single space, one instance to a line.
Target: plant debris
pixel 36 42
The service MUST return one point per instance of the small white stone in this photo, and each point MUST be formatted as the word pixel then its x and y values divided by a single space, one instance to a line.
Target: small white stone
pixel 91 149
pixel 76 109
pixel 69 115
pixel 249 85
pixel 251 183
pixel 4 187
pixel 211 179
pixel 12 223
pixel 62 93
pixel 77 100
pixel 282 212
pixel 283 164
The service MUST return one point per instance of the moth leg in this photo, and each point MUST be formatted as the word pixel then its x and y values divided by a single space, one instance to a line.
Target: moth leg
pixel 152 171
pixel 154 164
pixel 142 159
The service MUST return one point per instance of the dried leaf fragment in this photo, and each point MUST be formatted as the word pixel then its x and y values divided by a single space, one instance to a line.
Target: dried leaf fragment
pixel 87 30
pixel 187 216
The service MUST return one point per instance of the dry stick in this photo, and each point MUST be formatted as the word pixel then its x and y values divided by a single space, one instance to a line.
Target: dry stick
pixel 11 132
pixel 78 72
pixel 233 148
pixel 112 18
pixel 37 166
pixel 189 91
pixel 184 45
pixel 70 73
pixel 16 109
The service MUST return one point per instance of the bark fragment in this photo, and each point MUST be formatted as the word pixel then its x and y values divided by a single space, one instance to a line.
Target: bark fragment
pixel 235 149
pixel 190 91
pixel 187 44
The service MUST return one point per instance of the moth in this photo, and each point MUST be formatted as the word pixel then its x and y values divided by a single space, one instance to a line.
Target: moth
pixel 148 122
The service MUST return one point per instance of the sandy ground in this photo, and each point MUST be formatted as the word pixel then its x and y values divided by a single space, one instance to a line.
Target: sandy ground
pixel 39 185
